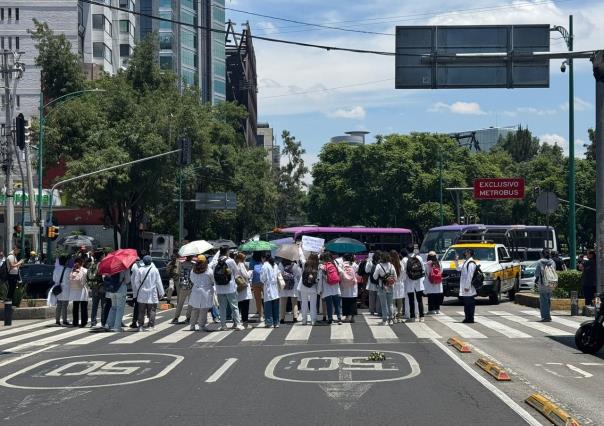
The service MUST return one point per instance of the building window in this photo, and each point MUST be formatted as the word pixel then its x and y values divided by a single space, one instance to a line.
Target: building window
pixel 165 25
pixel 124 26
pixel 165 62
pixel 189 58
pixel 18 100
pixel 124 4
pixel 10 14
pixel 10 43
pixel 188 77
pixel 219 87
pixel 16 43
pixel 98 50
pixel 1 14
pixel 108 55
pixel 165 4
pixel 124 50
pixel 16 14
pixel 98 21
pixel 187 18
pixel 188 3
pixel 165 41
pixel 2 43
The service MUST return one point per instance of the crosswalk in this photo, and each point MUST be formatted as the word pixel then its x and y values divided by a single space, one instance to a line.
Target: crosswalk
pixel 490 324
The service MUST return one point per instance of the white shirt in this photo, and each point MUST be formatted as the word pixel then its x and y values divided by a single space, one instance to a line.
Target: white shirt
pixel 431 288
pixel 12 260
pixel 231 287
pixel 64 283
pixel 151 289
pixel 297 273
pixel 465 281
pixel 381 270
pixel 269 279
pixel 78 290
pixel 352 291
pixel 202 293
pixel 325 289
pixel 302 289
pixel 247 276
pixel 412 286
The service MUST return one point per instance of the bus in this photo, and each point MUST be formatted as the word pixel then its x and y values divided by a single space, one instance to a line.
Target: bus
pixel 525 242
pixel 374 238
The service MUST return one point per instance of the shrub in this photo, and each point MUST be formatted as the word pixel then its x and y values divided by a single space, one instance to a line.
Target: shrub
pixel 3 291
pixel 18 296
pixel 568 281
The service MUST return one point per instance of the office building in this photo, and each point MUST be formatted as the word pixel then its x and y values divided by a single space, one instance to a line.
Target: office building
pixel 482 139
pixel 355 137
pixel 265 139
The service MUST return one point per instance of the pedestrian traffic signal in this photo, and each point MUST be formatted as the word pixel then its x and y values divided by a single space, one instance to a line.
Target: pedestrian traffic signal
pixel 52 232
pixel 20 131
pixel 184 155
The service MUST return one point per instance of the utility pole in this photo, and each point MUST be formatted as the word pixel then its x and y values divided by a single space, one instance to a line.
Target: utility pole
pixel 440 182
pixel 572 198
pixel 32 197
pixel 7 70
pixel 598 66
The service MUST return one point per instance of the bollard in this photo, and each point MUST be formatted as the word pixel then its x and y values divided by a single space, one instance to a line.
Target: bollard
pixel 8 312
pixel 574 303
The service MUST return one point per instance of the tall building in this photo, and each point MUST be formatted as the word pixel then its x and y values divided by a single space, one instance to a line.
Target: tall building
pixel 265 139
pixel 354 137
pixel 195 54
pixel 482 139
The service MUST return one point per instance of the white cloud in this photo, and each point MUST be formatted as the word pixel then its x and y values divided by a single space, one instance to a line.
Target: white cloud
pixel 267 27
pixel 562 142
pixel 580 105
pixel 465 108
pixel 354 113
pixel 530 110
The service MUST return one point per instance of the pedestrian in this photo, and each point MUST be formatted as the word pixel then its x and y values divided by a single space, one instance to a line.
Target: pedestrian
pixel 202 294
pixel 79 293
pixel 97 290
pixel 307 288
pixel 385 274
pixel 581 261
pixel 560 266
pixel 467 292
pixel 117 292
pixel 349 287
pixel 546 279
pixel 329 287
pixel 129 279
pixel 291 273
pixel 225 272
pixel 33 258
pixel 148 290
pixel 372 285
pixel 13 266
pixel 589 278
pixel 433 284
pixel 414 283
pixel 244 290
pixel 398 291
pixel 268 278
pixel 172 272
pixel 257 288
pixel 60 278
pixel 2 258
pixel 184 288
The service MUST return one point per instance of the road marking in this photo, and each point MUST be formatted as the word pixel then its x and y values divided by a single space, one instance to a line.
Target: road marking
pixel 30 335
pixel 460 329
pixel 215 336
pixel 380 332
pixel 563 321
pixel 49 340
pixel 135 336
pixel 510 332
pixel 498 393
pixel 342 332
pixel 592 364
pixel 13 330
pixel 578 370
pixel 258 335
pixel 422 331
pixel 94 337
pixel 17 358
pixel 176 336
pixel 299 333
pixel 550 331
pixel 223 369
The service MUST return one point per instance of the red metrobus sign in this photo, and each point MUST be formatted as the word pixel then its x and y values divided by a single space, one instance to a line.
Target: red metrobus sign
pixel 499 189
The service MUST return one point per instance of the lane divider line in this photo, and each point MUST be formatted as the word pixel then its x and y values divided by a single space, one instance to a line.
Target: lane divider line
pixel 493 369
pixel 223 369
pixel 459 344
pixel 551 411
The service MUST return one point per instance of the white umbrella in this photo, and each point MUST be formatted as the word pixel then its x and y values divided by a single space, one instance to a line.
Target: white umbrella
pixel 194 248
pixel 289 252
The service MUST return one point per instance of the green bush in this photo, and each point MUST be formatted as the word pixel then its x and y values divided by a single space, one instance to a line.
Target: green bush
pixel 568 281
pixel 18 296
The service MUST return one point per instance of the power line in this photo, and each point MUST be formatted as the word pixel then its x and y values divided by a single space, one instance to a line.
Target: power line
pixel 327 89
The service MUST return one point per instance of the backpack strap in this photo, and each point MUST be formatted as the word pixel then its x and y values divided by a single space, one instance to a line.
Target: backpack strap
pixel 143 282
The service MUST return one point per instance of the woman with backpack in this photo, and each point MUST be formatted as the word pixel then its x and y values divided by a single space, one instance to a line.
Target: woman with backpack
pixel 329 287
pixel 414 283
pixel 349 287
pixel 385 274
pixel 291 273
pixel 268 277
pixel 398 292
pixel 307 288
pixel 256 268
pixel 244 291
pixel 434 284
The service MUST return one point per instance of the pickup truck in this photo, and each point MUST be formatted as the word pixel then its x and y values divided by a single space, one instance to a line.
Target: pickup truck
pixel 501 273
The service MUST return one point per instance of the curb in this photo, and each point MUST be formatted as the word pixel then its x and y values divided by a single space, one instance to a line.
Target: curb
pixel 551 411
pixel 459 344
pixel 493 369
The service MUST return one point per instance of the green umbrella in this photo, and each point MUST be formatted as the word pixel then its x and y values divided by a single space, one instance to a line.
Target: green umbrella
pixel 345 245
pixel 257 246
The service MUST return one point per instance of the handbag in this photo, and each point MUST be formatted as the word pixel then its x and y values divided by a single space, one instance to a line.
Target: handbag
pixel 280 281
pixel 241 284
pixel 57 289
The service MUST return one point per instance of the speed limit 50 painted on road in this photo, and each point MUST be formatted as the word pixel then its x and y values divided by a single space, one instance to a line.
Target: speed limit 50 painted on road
pixel 341 366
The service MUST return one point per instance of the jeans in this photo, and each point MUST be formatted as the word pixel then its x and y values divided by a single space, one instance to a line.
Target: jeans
pixel 375 307
pixel 106 310
pixel 244 309
pixel 420 303
pixel 469 306
pixel 271 312
pixel 116 313
pixel 61 311
pixel 215 313
pixel 331 302
pixel 80 308
pixel 149 309
pixel 545 296
pixel 97 299
pixel 229 299
pixel 387 302
pixel 181 297
pixel 305 298
pixel 434 301
pixel 200 316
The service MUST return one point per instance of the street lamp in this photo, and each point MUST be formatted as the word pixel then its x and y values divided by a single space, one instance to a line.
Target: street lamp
pixel 572 214
pixel 41 149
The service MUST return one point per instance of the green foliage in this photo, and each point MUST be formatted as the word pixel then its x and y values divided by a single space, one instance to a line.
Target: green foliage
pixel 289 180
pixel 567 281
pixel 522 145
pixel 18 295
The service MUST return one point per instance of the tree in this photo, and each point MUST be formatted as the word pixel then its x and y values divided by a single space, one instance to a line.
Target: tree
pixel 61 68
pixel 289 180
pixel 591 146
pixel 521 145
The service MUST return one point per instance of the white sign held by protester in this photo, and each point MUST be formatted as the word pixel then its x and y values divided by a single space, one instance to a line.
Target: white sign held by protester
pixel 312 244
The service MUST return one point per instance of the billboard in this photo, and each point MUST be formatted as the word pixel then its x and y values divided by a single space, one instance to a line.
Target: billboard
pixel 499 189
pixel 428 57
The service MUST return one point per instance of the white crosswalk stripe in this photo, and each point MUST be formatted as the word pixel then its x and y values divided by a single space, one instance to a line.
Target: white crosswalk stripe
pixel 30 335
pixel 557 319
pixel 215 336
pixel 176 336
pixel 550 331
pixel 507 331
pixel 15 330
pixel 49 340
pixel 94 337
pixel 135 336
pixel 380 333
pixel 258 335
pixel 460 329
pixel 342 333
pixel 299 333
pixel 422 331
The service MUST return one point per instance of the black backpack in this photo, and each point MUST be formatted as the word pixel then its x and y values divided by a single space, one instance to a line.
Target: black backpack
pixel 478 277
pixel 415 270
pixel 361 271
pixel 222 273
pixel 371 279
pixel 309 277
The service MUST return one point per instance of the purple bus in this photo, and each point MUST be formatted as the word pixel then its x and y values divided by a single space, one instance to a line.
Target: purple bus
pixel 525 241
pixel 373 238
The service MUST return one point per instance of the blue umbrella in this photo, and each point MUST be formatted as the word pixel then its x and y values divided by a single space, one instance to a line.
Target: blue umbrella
pixel 345 245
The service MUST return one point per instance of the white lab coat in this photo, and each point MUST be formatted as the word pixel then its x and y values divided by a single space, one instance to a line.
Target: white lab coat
pixel 352 291
pixel 381 271
pixel 231 287
pixel 325 289
pixel 368 267
pixel 268 277
pixel 56 277
pixel 297 272
pixel 431 288
pixel 247 276
pixel 78 289
pixel 202 293
pixel 398 291
pixel 152 289
pixel 465 282
pixel 412 286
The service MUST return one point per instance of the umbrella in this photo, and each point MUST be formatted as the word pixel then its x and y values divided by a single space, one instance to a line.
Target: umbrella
pixel 78 241
pixel 257 246
pixel 218 244
pixel 289 252
pixel 194 248
pixel 117 261
pixel 345 245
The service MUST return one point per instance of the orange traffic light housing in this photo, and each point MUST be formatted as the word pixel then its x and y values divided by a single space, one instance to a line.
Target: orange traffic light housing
pixel 52 232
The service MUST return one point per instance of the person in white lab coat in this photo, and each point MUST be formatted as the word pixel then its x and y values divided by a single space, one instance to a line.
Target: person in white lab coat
pixel 434 290
pixel 398 291
pixel 467 292
pixel 268 277
pixel 79 293
pixel 225 271
pixel 244 295
pixel 349 287
pixel 201 299
pixel 385 270
pixel 330 293
pixel 291 273
pixel 60 277
pixel 414 285
pixel 307 288
pixel 148 290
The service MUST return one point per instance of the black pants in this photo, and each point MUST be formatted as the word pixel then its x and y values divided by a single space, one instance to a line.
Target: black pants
pixel 434 301
pixel 105 312
pixel 12 286
pixel 469 306
pixel 135 314
pixel 420 303
pixel 589 293
pixel 349 306
pixel 244 309
pixel 80 308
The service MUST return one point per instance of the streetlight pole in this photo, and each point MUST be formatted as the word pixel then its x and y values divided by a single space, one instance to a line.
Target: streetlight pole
pixel 440 183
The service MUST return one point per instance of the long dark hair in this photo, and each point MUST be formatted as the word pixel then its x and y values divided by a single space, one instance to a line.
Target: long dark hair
pixel 312 263
pixel 396 261
pixel 326 257
pixel 267 257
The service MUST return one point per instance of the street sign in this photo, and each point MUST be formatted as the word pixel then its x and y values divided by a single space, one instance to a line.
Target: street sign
pixel 431 57
pixel 547 202
pixel 499 189
pixel 216 201
pixel 31 230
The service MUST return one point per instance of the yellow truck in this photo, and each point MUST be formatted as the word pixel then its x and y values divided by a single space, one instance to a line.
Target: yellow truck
pixel 501 272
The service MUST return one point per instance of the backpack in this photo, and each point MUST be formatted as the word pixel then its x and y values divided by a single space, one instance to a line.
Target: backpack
pixel 309 277
pixel 256 273
pixel 436 275
pixel 549 276
pixel 333 276
pixel 415 270
pixel 371 279
pixel 4 271
pixel 478 277
pixel 222 273
pixel 288 277
pixel 361 271
pixel 348 278
pixel 388 279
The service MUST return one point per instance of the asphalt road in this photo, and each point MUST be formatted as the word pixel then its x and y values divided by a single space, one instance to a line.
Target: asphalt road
pixel 295 374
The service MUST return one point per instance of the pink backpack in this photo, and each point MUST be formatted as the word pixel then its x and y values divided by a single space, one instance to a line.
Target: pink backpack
pixel 333 276
pixel 349 278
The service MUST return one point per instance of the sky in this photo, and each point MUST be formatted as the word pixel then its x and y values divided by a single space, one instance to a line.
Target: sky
pixel 317 94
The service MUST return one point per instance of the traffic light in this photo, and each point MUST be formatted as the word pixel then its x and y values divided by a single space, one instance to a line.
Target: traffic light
pixel 52 232
pixel 184 155
pixel 20 131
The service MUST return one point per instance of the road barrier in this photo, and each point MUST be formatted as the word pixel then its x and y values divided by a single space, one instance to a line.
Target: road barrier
pixel 459 344
pixel 551 411
pixel 493 369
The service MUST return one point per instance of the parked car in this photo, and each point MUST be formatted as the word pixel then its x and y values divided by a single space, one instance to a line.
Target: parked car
pixel 37 279
pixel 527 275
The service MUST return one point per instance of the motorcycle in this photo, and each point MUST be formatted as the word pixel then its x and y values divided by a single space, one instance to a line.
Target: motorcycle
pixel 589 338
